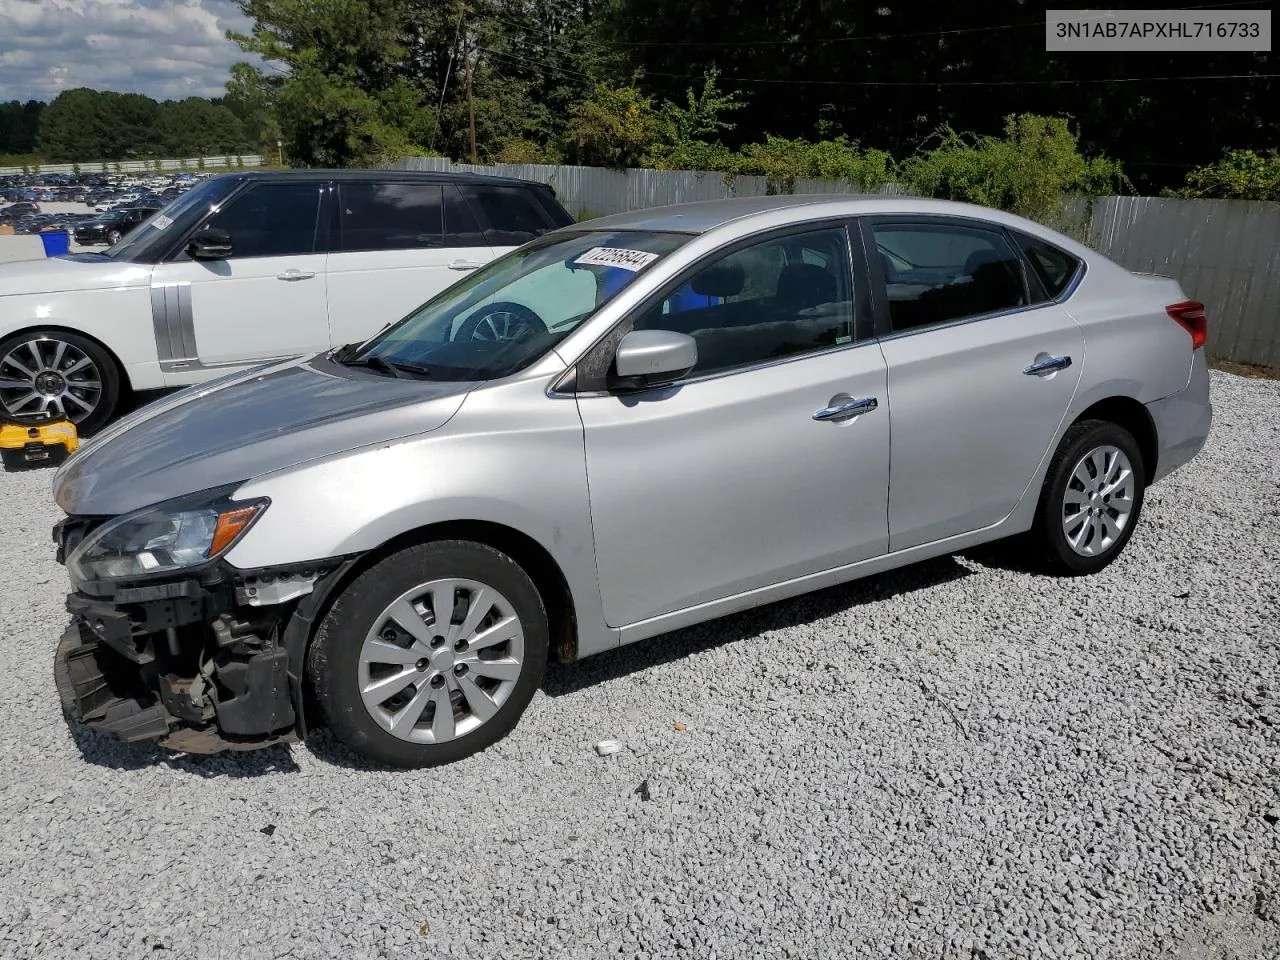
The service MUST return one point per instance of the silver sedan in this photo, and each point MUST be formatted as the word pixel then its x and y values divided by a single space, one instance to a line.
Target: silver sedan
pixel 622 428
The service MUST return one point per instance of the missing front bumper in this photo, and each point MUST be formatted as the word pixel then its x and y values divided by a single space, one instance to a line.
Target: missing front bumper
pixel 116 682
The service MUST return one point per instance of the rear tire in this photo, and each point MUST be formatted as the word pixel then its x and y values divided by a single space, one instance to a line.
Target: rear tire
pixel 383 664
pixel 1091 499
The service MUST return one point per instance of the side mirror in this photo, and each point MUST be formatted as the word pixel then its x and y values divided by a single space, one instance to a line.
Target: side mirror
pixel 650 358
pixel 210 244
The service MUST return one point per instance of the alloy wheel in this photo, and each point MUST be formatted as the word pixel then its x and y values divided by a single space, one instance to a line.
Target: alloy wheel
pixel 49 376
pixel 1098 502
pixel 502 327
pixel 441 660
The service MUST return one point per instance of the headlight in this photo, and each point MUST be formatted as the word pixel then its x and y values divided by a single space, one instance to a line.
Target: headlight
pixel 163 538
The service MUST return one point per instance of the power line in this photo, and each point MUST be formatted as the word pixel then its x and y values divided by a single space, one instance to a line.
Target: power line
pixel 862 37
pixel 895 83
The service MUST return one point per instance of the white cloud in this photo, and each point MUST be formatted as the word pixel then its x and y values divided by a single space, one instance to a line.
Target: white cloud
pixel 164 48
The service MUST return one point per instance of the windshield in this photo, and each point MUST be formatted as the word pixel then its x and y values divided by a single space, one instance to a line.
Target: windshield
pixel 176 216
pixel 511 312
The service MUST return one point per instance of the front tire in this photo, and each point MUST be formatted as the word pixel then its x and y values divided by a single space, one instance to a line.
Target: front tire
pixel 430 655
pixel 59 373
pixel 1091 498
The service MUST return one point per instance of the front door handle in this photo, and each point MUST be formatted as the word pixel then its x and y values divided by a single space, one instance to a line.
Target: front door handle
pixel 465 264
pixel 1049 365
pixel 292 275
pixel 846 408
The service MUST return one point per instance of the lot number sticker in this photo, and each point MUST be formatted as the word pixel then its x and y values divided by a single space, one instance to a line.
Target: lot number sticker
pixel 161 222
pixel 617 257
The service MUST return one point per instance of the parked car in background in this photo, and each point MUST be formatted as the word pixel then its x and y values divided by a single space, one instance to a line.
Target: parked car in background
pixel 110 228
pixel 627 426
pixel 246 268
pixel 23 208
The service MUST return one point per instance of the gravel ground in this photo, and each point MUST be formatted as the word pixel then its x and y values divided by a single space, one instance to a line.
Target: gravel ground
pixel 961 759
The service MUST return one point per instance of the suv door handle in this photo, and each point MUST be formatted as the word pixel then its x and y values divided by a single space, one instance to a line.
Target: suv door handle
pixel 846 409
pixel 1050 365
pixel 294 274
pixel 466 264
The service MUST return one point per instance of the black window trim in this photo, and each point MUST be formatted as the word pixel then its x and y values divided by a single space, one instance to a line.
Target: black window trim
pixel 174 253
pixel 571 383
pixel 1030 282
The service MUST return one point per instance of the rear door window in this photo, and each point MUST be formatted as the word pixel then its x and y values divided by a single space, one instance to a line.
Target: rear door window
pixel 513 214
pixel 461 226
pixel 390 216
pixel 939 272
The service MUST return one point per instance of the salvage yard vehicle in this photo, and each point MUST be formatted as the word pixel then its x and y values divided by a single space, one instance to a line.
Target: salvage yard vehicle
pixel 624 427
pixel 113 226
pixel 244 268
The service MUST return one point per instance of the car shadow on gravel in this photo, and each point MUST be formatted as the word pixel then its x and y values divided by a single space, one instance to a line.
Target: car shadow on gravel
pixel 106 751
pixel 567 678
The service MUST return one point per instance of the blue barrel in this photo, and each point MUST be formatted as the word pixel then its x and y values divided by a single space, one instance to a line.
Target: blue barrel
pixel 57 243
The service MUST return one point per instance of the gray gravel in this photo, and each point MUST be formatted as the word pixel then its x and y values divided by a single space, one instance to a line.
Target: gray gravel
pixel 957 760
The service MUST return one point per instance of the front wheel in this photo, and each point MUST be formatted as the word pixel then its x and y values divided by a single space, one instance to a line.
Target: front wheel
pixel 1091 498
pixel 430 655
pixel 60 374
pixel 113 237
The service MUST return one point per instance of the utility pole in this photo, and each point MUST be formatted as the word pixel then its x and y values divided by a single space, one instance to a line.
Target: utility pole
pixel 471 106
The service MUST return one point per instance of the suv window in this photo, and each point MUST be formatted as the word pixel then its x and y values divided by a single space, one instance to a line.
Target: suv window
pixel 935 273
pixel 271 220
pixel 513 213
pixel 1052 266
pixel 461 228
pixel 390 216
pixel 783 296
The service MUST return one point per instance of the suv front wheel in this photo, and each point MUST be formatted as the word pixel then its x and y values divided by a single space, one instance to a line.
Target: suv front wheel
pixel 430 655
pixel 54 372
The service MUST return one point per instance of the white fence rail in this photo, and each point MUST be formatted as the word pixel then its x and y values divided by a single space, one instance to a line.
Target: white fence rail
pixel 139 166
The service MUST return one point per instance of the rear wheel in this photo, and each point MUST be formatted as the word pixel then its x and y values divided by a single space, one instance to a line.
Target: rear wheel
pixel 430 655
pixel 53 372
pixel 1091 498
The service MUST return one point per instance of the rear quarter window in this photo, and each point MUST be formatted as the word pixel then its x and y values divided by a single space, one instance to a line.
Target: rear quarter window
pixel 1055 268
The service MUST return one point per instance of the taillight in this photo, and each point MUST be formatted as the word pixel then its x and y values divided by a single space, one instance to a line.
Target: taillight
pixel 1190 315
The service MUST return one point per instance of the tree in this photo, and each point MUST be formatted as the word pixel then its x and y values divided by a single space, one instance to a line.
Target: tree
pixel 350 93
pixel 19 124
pixel 197 127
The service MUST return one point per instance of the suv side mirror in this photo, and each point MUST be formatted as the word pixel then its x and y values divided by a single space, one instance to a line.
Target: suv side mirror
pixel 210 244
pixel 650 358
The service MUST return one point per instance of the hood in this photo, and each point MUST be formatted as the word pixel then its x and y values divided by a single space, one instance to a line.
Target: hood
pixel 244 426
pixel 87 271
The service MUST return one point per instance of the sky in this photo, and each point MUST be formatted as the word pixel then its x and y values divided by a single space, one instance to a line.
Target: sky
pixel 166 49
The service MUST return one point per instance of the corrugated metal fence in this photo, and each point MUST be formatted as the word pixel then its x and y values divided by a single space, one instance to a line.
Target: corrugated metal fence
pixel 1225 253
pixel 596 191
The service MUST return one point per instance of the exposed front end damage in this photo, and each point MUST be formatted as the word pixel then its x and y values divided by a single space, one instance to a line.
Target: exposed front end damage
pixel 202 664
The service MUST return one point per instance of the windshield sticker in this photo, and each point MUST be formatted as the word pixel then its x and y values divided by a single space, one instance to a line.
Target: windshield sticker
pixel 161 222
pixel 617 257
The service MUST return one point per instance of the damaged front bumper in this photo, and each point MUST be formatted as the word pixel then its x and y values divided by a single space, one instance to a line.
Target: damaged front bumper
pixel 202 664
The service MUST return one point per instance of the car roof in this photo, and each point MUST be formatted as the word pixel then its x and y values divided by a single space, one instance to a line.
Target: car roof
pixel 424 176
pixel 703 216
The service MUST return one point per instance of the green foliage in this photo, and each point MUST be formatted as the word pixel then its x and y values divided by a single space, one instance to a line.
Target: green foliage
pixel 84 124
pixel 1239 175
pixel 19 124
pixel 613 127
pixel 522 150
pixel 1027 171
pixel 784 161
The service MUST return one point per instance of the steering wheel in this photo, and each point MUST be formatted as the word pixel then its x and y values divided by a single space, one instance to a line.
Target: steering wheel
pixel 502 322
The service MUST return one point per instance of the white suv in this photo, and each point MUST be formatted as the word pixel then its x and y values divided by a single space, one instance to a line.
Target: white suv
pixel 246 268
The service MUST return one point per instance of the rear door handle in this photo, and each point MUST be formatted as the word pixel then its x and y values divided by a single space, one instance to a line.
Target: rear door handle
pixel 465 264
pixel 292 274
pixel 846 409
pixel 1051 365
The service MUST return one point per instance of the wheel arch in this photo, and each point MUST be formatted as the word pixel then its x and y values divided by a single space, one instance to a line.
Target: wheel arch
pixel 1134 417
